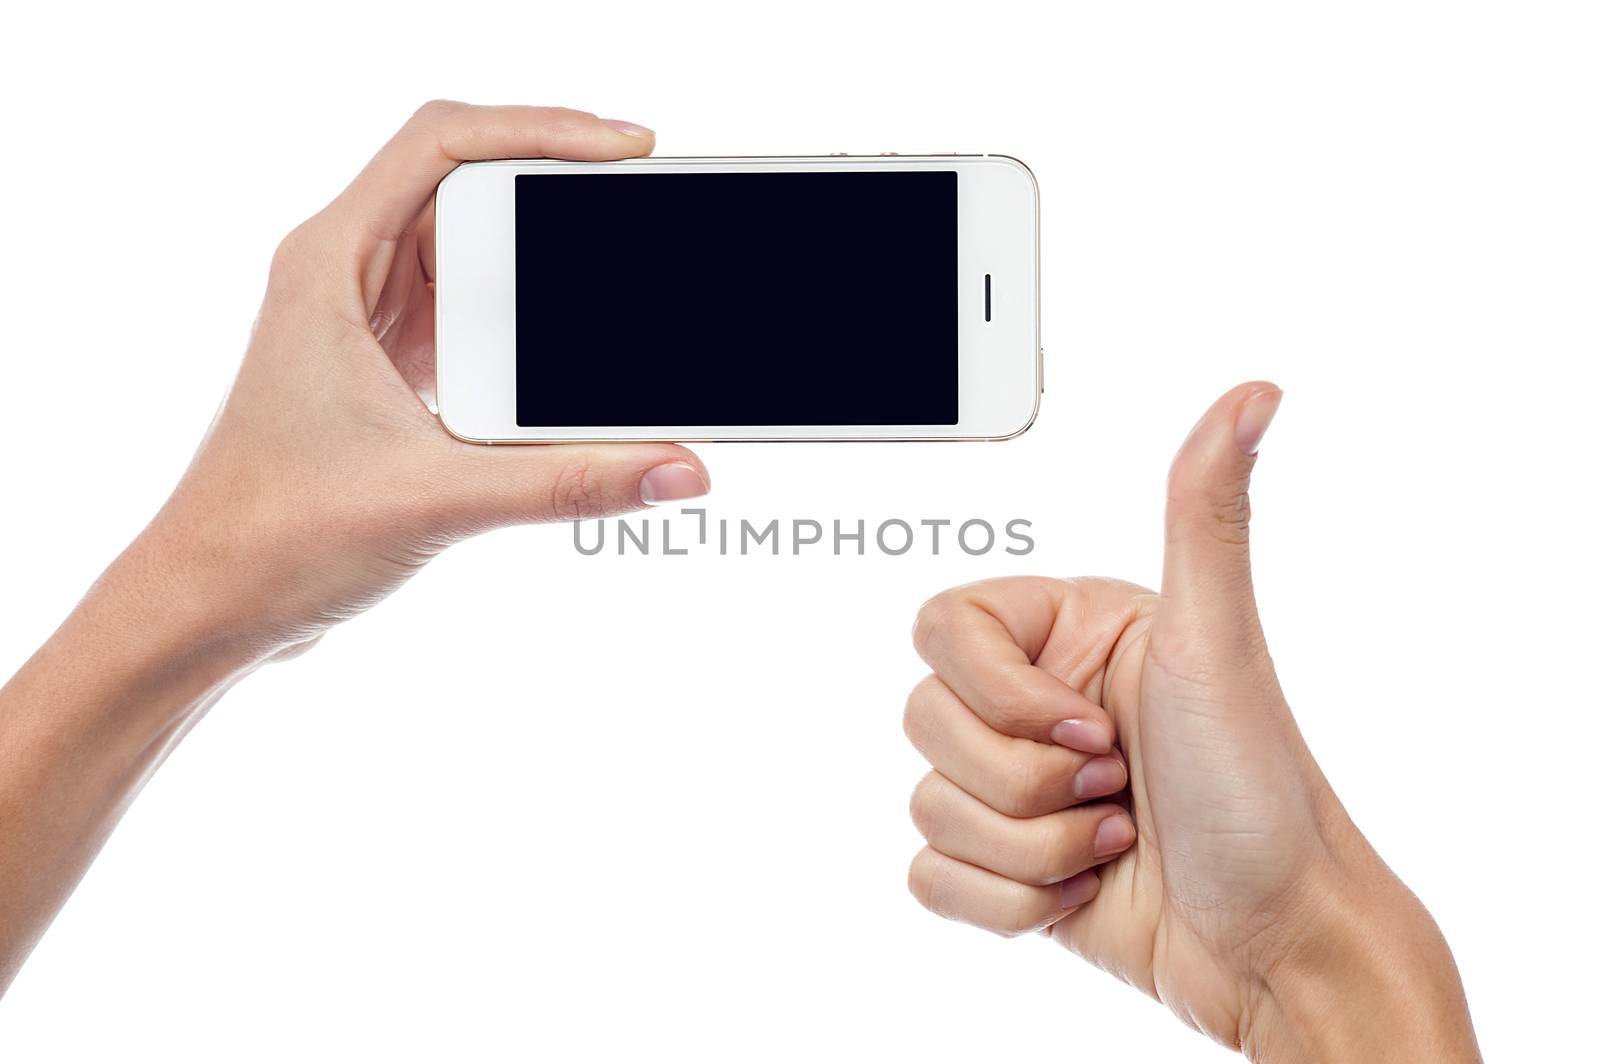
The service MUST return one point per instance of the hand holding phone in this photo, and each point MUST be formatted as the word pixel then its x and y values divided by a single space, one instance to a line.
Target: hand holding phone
pixel 325 480
pixel 323 483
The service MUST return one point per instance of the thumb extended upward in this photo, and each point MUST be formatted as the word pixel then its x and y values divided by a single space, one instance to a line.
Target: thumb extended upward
pixel 1206 577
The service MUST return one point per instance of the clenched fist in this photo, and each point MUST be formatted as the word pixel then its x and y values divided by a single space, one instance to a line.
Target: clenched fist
pixel 1118 768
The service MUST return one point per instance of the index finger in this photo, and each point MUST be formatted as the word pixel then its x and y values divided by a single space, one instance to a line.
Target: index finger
pixel 982 640
pixel 392 189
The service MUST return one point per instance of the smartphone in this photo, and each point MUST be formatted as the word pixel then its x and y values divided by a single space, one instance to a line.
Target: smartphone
pixel 808 298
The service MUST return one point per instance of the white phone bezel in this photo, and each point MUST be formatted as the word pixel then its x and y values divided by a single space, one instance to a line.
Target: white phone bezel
pixel 1000 370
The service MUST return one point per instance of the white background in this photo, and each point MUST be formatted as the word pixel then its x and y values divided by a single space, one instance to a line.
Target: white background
pixel 539 806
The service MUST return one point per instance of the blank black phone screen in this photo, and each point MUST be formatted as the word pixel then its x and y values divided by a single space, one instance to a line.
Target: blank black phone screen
pixel 769 298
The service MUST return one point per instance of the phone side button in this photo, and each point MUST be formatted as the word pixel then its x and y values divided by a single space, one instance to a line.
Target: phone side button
pixel 1041 371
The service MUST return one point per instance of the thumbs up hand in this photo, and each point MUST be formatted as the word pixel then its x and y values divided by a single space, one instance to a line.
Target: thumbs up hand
pixel 1119 770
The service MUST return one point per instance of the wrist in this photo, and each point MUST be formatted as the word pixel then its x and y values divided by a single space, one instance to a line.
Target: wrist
pixel 1364 975
pixel 221 598
pixel 155 634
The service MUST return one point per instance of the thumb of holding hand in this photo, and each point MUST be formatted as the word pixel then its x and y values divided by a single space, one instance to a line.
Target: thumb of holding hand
pixel 488 487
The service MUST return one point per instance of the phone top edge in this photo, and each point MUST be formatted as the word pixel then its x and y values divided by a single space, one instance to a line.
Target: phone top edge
pixel 646 160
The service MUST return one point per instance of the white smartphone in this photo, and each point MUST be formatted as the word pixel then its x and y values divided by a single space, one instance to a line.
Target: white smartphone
pixel 808 298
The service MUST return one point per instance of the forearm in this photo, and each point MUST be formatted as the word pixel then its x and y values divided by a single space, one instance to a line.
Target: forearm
pixel 86 721
pixel 1370 979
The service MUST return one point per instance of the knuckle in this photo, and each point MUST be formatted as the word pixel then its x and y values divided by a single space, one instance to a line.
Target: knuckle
pixel 1010 708
pixel 290 254
pixel 924 804
pixel 298 264
pixel 1223 515
pixel 1023 793
pixel 933 616
pixel 433 112
pixel 436 124
pixel 920 878
pixel 1020 909
pixel 1049 852
pixel 576 491
pixel 561 121
pixel 916 722
pixel 1229 517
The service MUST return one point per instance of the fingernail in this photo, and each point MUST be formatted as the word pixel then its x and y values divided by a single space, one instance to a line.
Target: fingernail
pixel 666 483
pixel 1114 835
pixel 1079 889
pixel 1255 417
pixel 1098 778
pixel 1090 736
pixel 628 128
